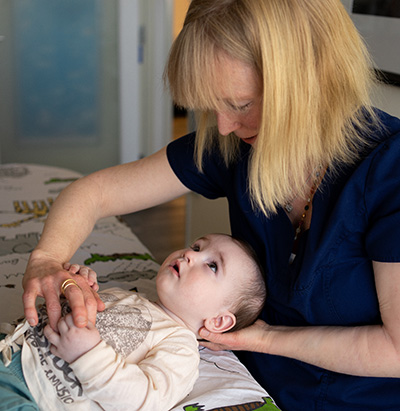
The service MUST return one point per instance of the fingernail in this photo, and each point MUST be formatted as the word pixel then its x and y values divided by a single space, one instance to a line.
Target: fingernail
pixel 31 322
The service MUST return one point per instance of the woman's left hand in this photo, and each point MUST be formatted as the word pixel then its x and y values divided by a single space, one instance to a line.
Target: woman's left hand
pixel 252 338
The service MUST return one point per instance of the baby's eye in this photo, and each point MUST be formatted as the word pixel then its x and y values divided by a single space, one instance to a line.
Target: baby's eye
pixel 195 247
pixel 213 266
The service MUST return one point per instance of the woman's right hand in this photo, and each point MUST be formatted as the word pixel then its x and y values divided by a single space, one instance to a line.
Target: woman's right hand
pixel 43 278
pixel 137 185
pixel 85 272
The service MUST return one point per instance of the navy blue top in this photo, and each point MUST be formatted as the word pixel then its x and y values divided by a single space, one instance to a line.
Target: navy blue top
pixel 356 219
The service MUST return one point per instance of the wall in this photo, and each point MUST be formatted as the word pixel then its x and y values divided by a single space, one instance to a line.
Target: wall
pixel 387 98
pixel 383 50
pixel 180 9
pixel 146 107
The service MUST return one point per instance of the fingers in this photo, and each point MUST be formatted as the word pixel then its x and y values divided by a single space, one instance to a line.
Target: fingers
pixel 59 339
pixel 88 298
pixel 65 324
pixel 44 277
pixel 75 296
pixel 29 300
pixel 76 269
pixel 53 306
pixel 54 337
pixel 256 338
pixel 47 288
pixel 83 299
pixel 51 335
pixel 93 304
pixel 215 342
pixel 100 307
pixel 212 337
pixel 68 320
pixel 67 266
pixel 86 272
pixel 222 341
pixel 92 279
pixel 212 346
pixel 84 302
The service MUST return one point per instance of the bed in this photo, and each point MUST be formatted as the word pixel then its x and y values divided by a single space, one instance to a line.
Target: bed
pixel 120 259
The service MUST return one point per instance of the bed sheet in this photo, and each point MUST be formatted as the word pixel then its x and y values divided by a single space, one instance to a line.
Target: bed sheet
pixel 120 259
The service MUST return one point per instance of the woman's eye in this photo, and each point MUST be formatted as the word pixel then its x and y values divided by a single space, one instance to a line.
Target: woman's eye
pixel 195 247
pixel 213 267
pixel 244 108
pixel 240 108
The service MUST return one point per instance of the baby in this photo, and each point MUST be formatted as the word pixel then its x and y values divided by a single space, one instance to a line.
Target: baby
pixel 143 355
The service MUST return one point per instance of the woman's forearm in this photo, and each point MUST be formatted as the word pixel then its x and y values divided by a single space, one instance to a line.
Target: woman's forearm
pixel 114 191
pixel 370 350
pixel 70 221
pixel 363 351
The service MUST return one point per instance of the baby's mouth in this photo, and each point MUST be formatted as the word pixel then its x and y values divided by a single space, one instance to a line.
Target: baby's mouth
pixel 175 267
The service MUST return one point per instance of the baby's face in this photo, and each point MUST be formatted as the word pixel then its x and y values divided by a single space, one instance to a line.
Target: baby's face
pixel 198 282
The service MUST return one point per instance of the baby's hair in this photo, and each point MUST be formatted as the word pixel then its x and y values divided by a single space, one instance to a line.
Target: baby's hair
pixel 251 293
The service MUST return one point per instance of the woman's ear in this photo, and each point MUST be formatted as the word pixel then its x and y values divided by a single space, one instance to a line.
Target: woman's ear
pixel 220 324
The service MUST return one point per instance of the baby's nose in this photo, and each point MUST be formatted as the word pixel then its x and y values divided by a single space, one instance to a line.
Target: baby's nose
pixel 190 255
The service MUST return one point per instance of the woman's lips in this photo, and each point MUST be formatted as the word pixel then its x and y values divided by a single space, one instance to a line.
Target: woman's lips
pixel 249 140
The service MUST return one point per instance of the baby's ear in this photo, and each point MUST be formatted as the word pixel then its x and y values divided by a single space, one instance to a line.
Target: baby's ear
pixel 220 324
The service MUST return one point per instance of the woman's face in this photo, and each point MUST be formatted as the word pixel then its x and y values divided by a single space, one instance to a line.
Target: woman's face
pixel 240 89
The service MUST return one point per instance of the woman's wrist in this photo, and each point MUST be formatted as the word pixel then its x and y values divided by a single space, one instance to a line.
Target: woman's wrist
pixel 40 255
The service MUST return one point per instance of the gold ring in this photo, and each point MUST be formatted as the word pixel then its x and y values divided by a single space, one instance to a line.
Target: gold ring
pixel 68 282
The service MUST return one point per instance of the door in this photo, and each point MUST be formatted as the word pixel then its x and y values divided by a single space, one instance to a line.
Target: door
pixel 81 81
pixel 59 83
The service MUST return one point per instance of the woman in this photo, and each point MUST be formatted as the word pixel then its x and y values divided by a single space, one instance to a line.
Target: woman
pixel 285 132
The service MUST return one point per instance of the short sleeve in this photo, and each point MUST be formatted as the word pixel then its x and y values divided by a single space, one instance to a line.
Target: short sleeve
pixel 209 183
pixel 382 201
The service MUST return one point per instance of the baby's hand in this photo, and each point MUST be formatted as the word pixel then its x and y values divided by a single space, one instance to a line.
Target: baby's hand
pixel 71 342
pixel 85 272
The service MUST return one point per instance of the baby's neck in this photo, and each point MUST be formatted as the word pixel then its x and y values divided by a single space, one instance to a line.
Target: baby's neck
pixel 178 319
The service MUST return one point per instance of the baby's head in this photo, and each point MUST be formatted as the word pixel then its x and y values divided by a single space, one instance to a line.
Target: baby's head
pixel 216 283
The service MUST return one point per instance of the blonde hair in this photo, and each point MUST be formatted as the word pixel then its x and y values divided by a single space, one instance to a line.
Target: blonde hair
pixel 316 77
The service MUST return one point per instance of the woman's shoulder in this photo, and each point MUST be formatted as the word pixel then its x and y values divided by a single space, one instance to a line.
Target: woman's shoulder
pixel 390 120
pixel 381 144
pixel 388 125
pixel 387 137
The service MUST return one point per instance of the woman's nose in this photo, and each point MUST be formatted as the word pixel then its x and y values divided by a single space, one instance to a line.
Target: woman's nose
pixel 227 123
